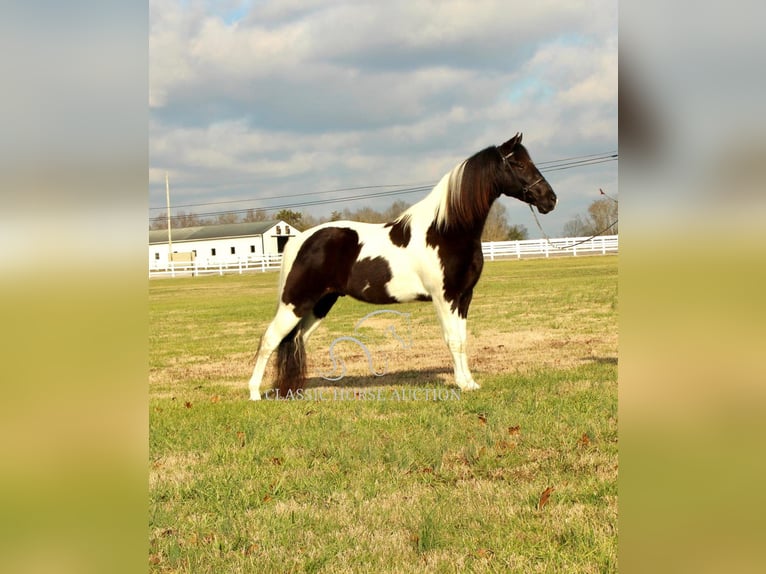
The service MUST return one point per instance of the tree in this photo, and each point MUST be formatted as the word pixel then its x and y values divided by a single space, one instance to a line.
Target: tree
pixel 252 215
pixel 368 215
pixel 496 227
pixel 290 217
pixel 397 208
pixel 578 226
pixel 180 219
pixel 183 219
pixel 158 222
pixel 308 220
pixel 226 218
pixel 517 232
pixel 602 213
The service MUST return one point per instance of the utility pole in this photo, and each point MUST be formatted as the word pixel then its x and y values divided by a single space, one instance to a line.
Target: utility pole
pixel 170 240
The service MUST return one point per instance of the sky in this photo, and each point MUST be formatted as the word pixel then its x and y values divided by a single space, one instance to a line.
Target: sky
pixel 273 104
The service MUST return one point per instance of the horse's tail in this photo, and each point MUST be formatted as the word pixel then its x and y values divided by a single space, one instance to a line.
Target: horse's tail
pixel 291 363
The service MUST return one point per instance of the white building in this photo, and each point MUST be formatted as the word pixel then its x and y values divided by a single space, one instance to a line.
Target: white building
pixel 213 244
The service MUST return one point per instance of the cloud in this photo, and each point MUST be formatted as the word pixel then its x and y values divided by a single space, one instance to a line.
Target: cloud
pixel 280 95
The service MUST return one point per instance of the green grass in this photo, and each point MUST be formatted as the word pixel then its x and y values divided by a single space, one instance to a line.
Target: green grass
pixel 403 484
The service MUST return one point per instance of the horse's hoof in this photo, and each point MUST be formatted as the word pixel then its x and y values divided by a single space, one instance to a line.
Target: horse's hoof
pixel 472 386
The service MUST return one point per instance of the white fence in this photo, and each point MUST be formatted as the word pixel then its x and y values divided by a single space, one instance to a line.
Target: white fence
pixel 218 266
pixel 601 244
pixel 569 246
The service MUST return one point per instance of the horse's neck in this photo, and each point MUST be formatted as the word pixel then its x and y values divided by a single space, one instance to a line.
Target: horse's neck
pixel 434 209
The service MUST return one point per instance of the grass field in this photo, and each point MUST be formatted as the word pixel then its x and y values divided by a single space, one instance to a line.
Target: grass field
pixel 398 473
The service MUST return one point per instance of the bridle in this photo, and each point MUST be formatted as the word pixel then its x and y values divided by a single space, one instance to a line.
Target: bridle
pixel 526 196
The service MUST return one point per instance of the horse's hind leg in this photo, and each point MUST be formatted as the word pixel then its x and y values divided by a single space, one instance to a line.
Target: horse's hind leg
pixel 319 312
pixel 284 322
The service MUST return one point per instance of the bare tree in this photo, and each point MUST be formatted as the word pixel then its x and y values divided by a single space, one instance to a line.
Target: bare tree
pixel 578 226
pixel 226 218
pixel 180 219
pixel 183 219
pixel 397 208
pixel 367 215
pixel 252 215
pixel 308 220
pixel 603 213
pixel 496 227
pixel 600 220
pixel 158 222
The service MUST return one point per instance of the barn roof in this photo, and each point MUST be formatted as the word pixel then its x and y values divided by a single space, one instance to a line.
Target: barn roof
pixel 221 231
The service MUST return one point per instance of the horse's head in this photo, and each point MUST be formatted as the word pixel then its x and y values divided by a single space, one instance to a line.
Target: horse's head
pixel 521 178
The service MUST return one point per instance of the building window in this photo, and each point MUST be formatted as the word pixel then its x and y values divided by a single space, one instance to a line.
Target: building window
pixel 252 249
pixel 195 252
pixel 279 230
pixel 233 250
pixel 156 255
pixel 212 251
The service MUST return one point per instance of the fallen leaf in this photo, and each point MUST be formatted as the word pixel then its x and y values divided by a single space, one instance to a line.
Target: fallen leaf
pixel 241 438
pixel 484 553
pixel 544 497
pixel 584 440
pixel 267 498
pixel 514 430
pixel 276 461
pixel 215 399
pixel 188 405
pixel 504 445
pixel 482 418
pixel 251 549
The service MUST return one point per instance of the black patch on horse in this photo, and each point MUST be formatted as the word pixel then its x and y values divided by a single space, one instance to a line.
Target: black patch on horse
pixel 322 266
pixel 462 262
pixel 368 280
pixel 323 306
pixel 400 233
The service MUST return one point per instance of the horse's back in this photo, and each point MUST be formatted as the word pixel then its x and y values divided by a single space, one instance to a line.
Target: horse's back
pixel 352 258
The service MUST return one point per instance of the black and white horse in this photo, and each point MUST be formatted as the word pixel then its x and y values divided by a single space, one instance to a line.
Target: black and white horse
pixel 431 252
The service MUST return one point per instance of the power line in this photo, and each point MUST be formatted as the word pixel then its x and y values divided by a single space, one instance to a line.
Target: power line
pixel 544 167
pixel 284 196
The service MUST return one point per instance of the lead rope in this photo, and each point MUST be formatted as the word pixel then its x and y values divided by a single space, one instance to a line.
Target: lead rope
pixel 548 239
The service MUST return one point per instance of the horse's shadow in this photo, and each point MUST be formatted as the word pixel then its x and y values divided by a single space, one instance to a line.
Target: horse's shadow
pixel 409 378
pixel 601 360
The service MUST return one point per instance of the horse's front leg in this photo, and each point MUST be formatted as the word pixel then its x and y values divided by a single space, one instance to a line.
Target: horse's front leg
pixel 455 335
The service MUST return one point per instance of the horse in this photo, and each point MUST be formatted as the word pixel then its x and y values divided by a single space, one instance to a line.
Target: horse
pixel 431 252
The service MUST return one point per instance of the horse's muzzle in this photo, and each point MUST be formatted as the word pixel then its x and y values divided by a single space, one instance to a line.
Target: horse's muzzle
pixel 547 203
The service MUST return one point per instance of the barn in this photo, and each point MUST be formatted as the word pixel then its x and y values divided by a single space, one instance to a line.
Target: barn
pixel 210 245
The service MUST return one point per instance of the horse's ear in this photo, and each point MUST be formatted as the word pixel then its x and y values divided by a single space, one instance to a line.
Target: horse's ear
pixel 511 143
